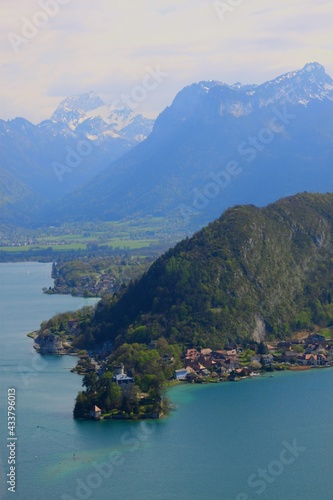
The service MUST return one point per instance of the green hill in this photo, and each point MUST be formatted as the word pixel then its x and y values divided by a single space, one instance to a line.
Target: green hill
pixel 253 273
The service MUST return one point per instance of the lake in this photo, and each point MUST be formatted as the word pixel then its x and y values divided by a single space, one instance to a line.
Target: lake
pixel 268 438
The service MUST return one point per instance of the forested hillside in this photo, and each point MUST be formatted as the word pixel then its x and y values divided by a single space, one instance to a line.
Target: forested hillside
pixel 253 273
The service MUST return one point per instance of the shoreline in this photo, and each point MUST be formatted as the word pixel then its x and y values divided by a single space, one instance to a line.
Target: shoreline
pixel 158 414
pixel 60 343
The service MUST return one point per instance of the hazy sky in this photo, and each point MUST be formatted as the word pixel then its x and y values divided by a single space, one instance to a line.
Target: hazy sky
pixel 107 46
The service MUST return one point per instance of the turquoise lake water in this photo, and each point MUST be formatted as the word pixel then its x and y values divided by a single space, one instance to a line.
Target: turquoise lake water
pixel 268 438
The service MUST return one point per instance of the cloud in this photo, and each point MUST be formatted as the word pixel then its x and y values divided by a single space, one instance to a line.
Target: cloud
pixel 106 45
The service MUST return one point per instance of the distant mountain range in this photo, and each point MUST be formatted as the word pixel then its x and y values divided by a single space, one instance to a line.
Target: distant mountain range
pixel 43 162
pixel 219 145
pixel 88 116
pixel 254 273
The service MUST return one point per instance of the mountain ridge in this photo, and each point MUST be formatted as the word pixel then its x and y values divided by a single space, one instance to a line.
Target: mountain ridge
pixel 201 132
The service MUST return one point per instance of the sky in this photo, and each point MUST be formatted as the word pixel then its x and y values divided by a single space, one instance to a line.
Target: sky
pixel 146 51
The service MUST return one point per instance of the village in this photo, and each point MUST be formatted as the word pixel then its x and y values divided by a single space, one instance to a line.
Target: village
pixel 235 362
pixel 140 391
pixel 207 365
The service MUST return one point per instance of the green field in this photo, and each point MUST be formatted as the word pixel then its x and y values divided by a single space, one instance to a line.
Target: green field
pixel 15 249
pixel 132 244
pixel 89 236
pixel 117 243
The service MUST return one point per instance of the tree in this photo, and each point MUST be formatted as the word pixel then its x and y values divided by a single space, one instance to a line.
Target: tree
pixel 126 404
pixel 262 348
pixel 255 365
pixel 90 382
pixel 166 405
pixel 83 405
pixel 151 382
pixel 115 396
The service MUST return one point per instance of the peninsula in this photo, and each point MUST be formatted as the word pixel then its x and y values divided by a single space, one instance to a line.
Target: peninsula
pixel 252 291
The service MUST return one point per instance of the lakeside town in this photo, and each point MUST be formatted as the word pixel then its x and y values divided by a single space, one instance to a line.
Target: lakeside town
pixel 117 390
pixel 312 351
pixel 235 362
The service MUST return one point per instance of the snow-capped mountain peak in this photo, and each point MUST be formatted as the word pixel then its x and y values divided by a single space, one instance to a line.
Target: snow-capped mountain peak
pixel 215 99
pixel 302 86
pixel 296 87
pixel 84 112
pixel 85 102
pixel 314 67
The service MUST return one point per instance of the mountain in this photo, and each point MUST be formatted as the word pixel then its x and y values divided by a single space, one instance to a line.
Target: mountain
pixel 108 121
pixel 58 155
pixel 218 145
pixel 254 273
pixel 17 201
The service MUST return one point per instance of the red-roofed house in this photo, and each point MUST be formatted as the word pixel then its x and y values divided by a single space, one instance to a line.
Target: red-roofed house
pixel 96 413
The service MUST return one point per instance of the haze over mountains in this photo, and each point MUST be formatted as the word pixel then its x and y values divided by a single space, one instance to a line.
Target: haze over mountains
pixel 40 163
pixel 216 146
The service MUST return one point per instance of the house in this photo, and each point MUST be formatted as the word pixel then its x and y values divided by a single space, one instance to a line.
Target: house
pixel 190 370
pixel 289 356
pixel 321 359
pixel 222 369
pixel 96 413
pixel 245 371
pixel 180 374
pixel 307 359
pixel 49 344
pixel 191 374
pixel 316 337
pixel 192 363
pixel 205 372
pixel 122 379
pixel 310 359
pixel 267 359
pixel 219 354
pixel 311 348
pixel 192 354
pixel 232 363
pixel 207 361
pixel 206 352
